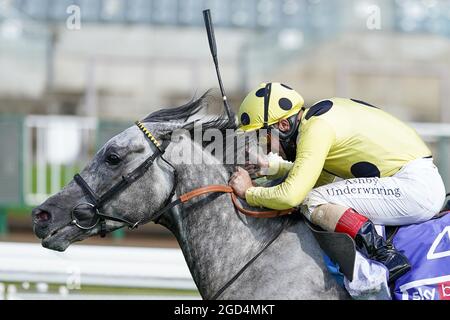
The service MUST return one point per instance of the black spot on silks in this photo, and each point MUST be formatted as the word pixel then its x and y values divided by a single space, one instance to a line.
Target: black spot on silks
pixel 319 109
pixel 364 103
pixel 365 169
pixel 245 119
pixel 287 87
pixel 261 92
pixel 285 104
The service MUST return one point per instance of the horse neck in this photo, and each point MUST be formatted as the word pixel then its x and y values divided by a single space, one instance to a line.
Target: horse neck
pixel 216 240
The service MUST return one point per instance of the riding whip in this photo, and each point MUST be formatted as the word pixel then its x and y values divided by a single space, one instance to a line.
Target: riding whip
pixel 212 46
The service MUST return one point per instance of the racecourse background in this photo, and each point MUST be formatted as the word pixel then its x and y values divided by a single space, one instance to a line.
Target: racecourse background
pixel 75 72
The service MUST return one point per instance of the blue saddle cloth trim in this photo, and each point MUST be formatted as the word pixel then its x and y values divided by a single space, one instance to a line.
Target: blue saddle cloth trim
pixel 334 270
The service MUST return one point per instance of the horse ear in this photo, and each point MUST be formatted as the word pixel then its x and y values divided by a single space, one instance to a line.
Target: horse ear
pixel 165 134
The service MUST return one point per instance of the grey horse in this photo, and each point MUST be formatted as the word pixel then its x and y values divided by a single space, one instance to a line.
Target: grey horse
pixel 217 241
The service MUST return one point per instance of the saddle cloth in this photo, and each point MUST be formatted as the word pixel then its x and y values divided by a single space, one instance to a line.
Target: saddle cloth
pixel 427 246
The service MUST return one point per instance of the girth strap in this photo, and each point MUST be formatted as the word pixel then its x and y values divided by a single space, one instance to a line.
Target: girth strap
pixel 245 267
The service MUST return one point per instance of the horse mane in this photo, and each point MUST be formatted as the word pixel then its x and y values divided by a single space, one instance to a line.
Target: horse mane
pixel 191 108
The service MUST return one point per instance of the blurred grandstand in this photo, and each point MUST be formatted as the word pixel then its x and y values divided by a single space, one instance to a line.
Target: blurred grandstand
pixel 65 89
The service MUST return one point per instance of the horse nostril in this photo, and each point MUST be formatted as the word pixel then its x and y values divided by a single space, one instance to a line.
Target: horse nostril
pixel 41 216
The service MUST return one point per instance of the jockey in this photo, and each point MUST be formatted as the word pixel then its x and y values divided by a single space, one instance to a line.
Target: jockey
pixel 385 171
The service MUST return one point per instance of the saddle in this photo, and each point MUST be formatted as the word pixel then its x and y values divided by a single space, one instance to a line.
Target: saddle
pixel 341 248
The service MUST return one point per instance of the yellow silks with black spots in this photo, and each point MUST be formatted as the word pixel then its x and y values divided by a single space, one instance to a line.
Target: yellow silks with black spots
pixel 284 102
pixel 345 138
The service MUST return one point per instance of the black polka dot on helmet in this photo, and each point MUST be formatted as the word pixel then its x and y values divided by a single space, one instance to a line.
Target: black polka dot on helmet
pixel 261 92
pixel 285 104
pixel 245 119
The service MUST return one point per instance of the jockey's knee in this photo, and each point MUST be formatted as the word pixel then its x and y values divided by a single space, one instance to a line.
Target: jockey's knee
pixel 319 211
pixel 313 200
pixel 328 215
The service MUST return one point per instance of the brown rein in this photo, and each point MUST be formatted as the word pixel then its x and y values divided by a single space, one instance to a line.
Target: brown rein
pixel 227 189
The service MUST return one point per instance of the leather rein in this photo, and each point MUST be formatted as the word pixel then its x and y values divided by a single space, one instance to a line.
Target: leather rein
pixel 215 188
pixel 127 180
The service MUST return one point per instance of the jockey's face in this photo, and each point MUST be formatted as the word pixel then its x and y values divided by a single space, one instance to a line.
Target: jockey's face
pixel 274 142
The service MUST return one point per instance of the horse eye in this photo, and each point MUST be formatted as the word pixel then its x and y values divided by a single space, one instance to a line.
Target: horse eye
pixel 113 159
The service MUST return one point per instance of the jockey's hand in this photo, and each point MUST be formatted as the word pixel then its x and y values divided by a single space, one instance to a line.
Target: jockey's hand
pixel 240 181
pixel 254 168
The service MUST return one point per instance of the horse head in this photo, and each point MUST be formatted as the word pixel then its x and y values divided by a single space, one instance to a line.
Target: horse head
pixel 54 219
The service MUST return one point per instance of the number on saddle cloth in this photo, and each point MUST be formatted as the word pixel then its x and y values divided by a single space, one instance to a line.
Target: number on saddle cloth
pixel 427 246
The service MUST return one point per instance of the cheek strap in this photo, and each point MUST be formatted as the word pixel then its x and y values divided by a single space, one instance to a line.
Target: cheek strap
pixel 87 189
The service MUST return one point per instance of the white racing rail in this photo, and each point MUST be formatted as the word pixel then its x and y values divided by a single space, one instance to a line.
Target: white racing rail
pixel 432 130
pixel 51 142
pixel 105 266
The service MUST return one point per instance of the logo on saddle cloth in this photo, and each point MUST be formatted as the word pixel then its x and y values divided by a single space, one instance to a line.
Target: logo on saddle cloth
pixel 428 290
pixel 427 246
pixel 442 240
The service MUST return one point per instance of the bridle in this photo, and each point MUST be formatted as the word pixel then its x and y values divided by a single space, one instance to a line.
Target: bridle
pixel 98 201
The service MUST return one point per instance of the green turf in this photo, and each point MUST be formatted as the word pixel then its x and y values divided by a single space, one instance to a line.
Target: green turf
pixel 65 176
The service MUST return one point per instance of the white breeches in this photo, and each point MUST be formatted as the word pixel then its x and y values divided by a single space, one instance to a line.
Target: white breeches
pixel 414 194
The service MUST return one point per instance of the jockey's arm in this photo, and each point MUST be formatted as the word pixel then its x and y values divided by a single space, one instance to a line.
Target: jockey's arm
pixel 278 167
pixel 316 138
pixel 324 178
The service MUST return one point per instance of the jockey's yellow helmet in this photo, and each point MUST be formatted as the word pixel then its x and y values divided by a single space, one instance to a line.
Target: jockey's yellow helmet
pixel 283 103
